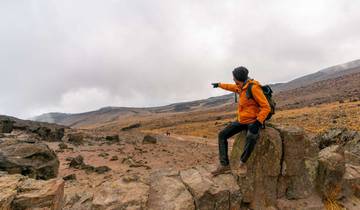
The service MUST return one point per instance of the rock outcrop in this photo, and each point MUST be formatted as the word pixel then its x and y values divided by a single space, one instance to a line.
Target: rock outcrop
pixel 331 172
pixel 46 131
pixel 194 188
pixel 20 192
pixel 121 195
pixel 6 125
pixel 149 140
pixel 167 191
pixel 282 165
pixel 259 186
pixel 35 160
pixel 75 138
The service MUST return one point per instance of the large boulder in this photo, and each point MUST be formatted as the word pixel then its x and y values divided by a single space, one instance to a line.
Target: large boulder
pixel 299 164
pixel 50 134
pixel 193 188
pixel 112 138
pixel 351 181
pixel 336 136
pixel 6 125
pixel 283 165
pixel 35 160
pixel 46 131
pixel 259 186
pixel 220 192
pixel 75 138
pixel 8 185
pixel 149 140
pixel 167 191
pixel 331 172
pixel 352 148
pixel 120 195
pixel 19 192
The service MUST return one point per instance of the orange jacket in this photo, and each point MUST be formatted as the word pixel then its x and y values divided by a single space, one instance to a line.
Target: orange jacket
pixel 250 110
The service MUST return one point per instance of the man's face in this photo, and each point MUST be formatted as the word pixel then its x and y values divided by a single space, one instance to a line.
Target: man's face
pixel 239 83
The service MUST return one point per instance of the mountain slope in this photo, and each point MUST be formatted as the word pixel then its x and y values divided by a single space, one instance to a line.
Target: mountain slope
pixel 325 74
pixel 331 84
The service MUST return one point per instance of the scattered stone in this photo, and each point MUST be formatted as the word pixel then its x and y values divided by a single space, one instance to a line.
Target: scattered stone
pixel 335 136
pixel 103 154
pixel 69 158
pixel 149 140
pixel 114 138
pixel 128 160
pixel 113 158
pixel 137 165
pixel 136 125
pixel 70 177
pixel 59 150
pixel 76 139
pixel 35 160
pixel 88 168
pixel 77 162
pixel 102 169
pixel 130 178
pixel 62 145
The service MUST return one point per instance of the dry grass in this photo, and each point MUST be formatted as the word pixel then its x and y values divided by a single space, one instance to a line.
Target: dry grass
pixel 331 202
pixel 313 119
pixel 319 118
pixel 208 122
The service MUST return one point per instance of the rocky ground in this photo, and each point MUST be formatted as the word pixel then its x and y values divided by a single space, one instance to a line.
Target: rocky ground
pixel 65 168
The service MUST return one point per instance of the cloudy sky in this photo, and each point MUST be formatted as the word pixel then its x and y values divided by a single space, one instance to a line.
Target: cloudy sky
pixel 80 55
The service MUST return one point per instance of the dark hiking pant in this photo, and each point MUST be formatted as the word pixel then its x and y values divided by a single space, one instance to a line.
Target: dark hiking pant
pixel 232 129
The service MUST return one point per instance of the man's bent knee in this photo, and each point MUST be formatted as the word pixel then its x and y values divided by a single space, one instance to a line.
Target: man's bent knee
pixel 222 135
pixel 252 136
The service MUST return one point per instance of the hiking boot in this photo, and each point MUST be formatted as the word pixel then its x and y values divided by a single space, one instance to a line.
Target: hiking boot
pixel 242 169
pixel 221 170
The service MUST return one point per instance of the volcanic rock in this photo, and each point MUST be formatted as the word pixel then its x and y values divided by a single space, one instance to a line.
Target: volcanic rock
pixel 19 192
pixel 35 160
pixel 149 140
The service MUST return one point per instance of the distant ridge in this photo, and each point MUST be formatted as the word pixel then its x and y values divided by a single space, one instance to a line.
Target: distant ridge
pixel 327 85
pixel 324 74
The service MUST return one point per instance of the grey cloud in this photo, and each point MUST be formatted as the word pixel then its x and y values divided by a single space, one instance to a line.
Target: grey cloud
pixel 74 56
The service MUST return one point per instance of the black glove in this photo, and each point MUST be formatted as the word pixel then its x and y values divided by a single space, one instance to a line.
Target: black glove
pixel 254 127
pixel 215 85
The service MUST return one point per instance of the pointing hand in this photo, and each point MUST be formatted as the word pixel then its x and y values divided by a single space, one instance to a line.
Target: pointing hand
pixel 215 85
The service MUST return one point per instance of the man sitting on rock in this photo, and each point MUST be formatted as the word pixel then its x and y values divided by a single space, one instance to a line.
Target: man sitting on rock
pixel 252 113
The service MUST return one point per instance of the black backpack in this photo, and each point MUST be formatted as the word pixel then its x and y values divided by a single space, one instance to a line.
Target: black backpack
pixel 268 94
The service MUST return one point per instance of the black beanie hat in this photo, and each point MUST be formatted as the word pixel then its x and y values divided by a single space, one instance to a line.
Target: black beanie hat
pixel 240 73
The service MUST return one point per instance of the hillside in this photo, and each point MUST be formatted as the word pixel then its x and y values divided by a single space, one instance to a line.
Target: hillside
pixel 332 84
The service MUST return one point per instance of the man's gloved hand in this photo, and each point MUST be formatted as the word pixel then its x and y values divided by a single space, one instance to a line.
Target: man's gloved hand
pixel 215 85
pixel 254 127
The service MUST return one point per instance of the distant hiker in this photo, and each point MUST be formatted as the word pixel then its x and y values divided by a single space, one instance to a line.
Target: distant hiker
pixel 252 112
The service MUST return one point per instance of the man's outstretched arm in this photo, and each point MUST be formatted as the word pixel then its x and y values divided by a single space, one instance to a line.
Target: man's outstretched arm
pixel 229 87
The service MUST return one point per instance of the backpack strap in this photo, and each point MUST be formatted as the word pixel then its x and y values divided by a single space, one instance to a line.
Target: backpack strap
pixel 249 91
